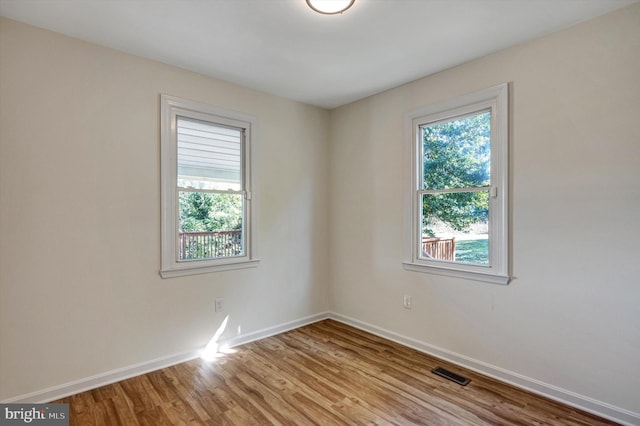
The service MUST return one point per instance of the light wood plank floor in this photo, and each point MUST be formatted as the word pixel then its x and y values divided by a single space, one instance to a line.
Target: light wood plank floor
pixel 326 373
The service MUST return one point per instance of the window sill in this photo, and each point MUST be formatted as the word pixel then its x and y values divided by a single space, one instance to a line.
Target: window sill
pixel 457 273
pixel 190 269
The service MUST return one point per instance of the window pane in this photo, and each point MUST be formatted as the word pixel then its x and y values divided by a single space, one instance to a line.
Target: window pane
pixel 456 153
pixel 209 156
pixel 455 227
pixel 210 225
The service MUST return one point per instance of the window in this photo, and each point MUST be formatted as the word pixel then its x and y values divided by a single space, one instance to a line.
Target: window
pixel 206 188
pixel 459 187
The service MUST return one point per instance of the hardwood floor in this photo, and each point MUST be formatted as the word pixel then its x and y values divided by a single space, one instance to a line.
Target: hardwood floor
pixel 326 373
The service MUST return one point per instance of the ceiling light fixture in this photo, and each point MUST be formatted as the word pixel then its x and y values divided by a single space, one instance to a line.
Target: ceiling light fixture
pixel 330 7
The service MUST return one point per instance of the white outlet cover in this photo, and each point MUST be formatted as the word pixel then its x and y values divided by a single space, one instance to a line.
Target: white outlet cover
pixel 407 302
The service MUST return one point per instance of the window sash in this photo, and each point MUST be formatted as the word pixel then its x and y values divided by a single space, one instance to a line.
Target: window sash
pixel 209 152
pixel 451 254
pixel 452 190
pixel 421 133
pixel 243 234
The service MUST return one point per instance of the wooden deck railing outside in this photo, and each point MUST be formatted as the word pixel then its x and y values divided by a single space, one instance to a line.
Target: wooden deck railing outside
pixel 439 248
pixel 207 245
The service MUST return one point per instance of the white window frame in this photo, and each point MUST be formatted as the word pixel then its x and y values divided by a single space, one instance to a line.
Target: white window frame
pixel 497 100
pixel 170 109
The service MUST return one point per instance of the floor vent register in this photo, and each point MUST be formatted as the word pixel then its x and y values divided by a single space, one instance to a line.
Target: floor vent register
pixel 449 375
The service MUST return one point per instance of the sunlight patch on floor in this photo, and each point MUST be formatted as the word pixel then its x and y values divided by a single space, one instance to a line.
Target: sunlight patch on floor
pixel 214 348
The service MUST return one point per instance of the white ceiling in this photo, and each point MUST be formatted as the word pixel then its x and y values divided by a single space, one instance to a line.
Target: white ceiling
pixel 284 48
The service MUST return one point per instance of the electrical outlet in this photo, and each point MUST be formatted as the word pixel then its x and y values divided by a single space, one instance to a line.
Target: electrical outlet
pixel 219 305
pixel 407 301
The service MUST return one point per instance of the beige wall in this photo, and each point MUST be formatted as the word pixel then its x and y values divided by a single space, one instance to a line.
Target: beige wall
pixel 80 292
pixel 571 316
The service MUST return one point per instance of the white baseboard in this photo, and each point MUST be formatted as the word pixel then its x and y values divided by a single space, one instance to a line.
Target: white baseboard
pixel 92 382
pixel 77 386
pixel 272 331
pixel 564 396
pixel 591 405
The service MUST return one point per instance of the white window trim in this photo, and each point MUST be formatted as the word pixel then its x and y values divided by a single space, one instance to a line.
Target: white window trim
pixel 170 108
pixel 497 271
